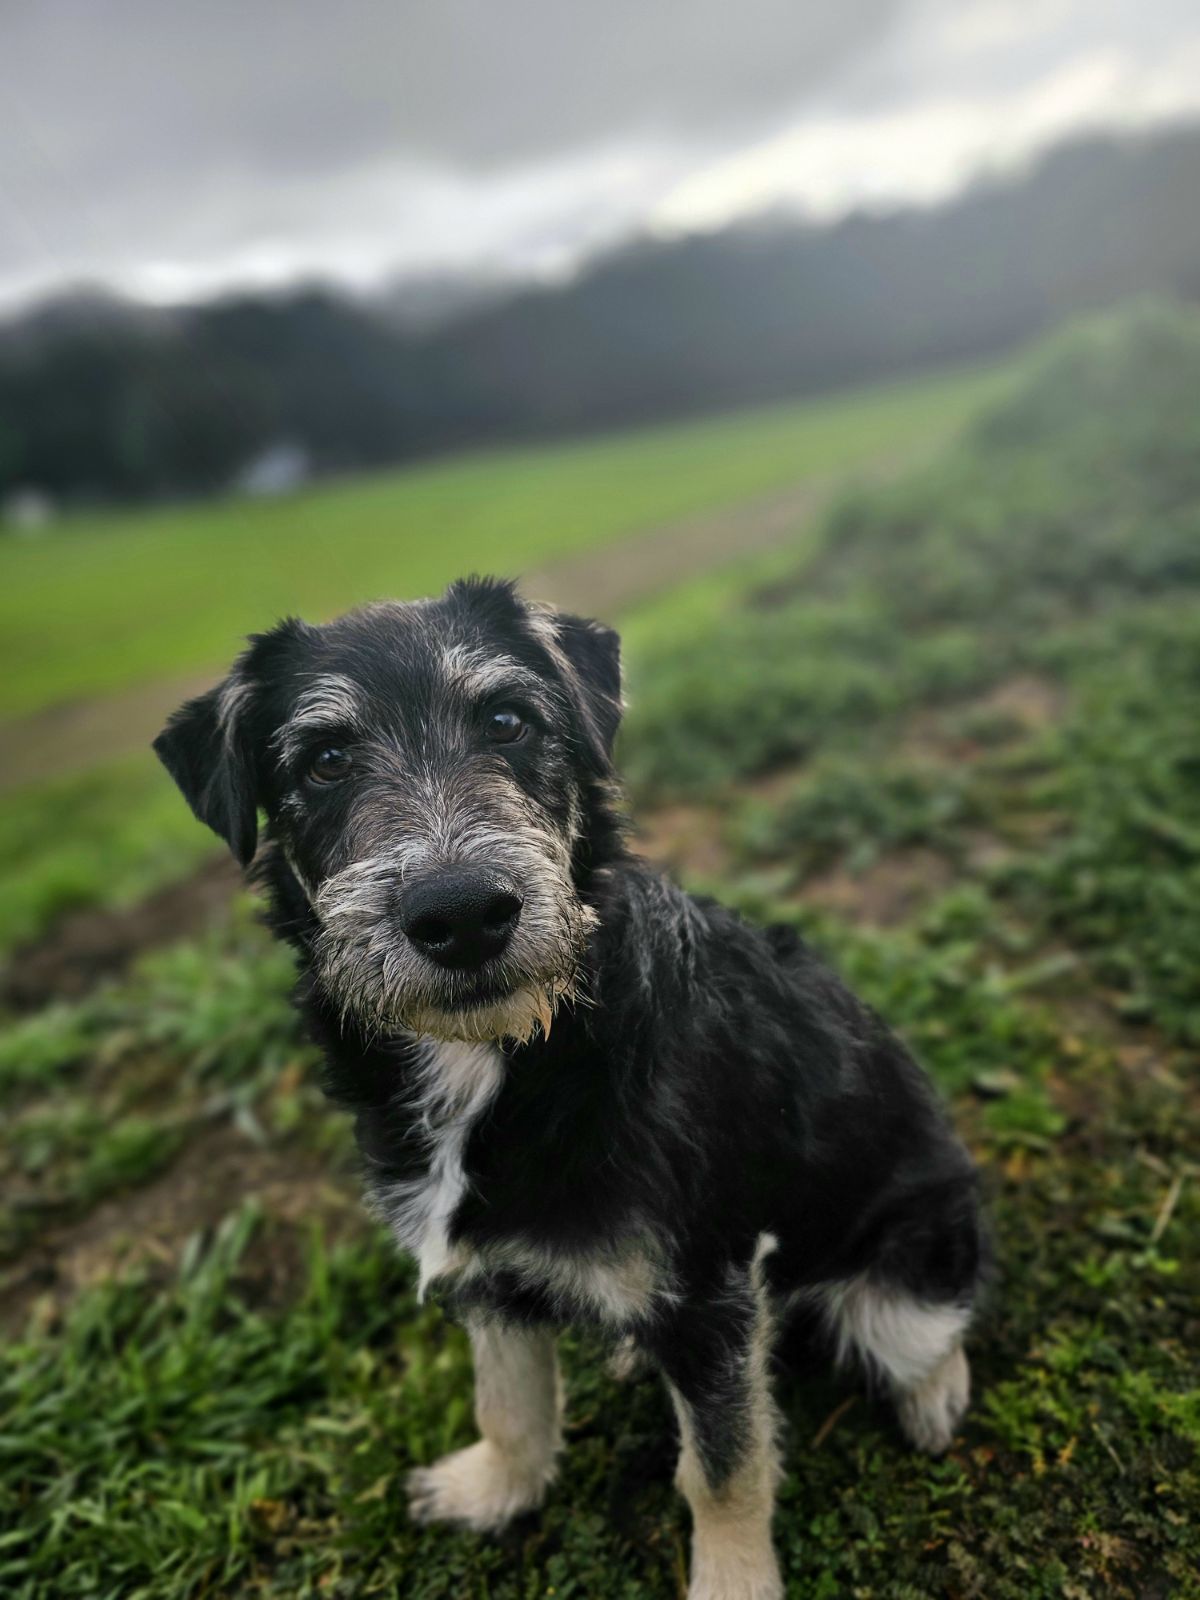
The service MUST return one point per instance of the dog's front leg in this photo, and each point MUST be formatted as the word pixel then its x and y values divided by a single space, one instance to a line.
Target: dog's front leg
pixel 518 1407
pixel 716 1368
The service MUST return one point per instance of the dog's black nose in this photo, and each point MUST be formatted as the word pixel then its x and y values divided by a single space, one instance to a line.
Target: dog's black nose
pixel 461 916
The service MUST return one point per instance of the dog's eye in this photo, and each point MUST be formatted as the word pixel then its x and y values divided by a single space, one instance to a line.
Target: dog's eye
pixel 331 766
pixel 505 726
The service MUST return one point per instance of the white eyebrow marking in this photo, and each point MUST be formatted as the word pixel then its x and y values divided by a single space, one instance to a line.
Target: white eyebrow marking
pixel 479 671
pixel 329 701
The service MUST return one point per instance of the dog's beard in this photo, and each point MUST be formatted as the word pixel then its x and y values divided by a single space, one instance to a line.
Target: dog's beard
pixel 517 1014
pixel 517 1017
pixel 375 977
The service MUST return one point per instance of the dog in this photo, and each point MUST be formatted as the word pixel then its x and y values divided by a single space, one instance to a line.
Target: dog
pixel 581 1095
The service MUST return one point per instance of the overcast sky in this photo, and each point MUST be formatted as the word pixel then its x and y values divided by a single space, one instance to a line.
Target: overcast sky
pixel 171 148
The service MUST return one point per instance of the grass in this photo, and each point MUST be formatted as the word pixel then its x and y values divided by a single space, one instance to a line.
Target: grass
pixel 109 601
pixel 100 1095
pixel 103 837
pixel 976 790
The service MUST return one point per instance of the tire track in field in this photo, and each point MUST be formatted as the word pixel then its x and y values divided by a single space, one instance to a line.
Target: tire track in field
pixel 71 737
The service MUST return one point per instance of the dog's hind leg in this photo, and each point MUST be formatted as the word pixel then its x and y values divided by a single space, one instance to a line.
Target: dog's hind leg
pixel 917 1347
pixel 518 1407
pixel 715 1361
pixel 931 1409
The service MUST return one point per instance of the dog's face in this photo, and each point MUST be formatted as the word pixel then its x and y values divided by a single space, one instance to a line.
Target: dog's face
pixel 427 771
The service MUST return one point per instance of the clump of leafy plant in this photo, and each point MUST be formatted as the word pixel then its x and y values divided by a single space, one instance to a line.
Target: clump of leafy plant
pixel 852 810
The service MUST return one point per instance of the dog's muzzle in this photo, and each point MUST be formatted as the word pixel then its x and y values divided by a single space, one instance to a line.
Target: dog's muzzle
pixel 461 916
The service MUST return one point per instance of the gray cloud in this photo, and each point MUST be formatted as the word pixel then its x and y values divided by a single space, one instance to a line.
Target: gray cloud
pixel 173 146
pixel 283 85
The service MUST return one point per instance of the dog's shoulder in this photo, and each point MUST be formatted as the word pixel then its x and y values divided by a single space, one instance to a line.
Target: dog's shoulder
pixel 644 911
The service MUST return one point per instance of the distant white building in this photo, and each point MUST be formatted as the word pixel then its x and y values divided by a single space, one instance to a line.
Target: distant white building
pixel 280 469
pixel 27 510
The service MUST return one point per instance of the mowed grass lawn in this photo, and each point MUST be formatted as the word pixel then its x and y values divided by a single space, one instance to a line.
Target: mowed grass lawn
pixel 102 602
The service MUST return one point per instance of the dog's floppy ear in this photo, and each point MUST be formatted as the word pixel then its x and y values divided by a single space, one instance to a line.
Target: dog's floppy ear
pixel 594 653
pixel 205 747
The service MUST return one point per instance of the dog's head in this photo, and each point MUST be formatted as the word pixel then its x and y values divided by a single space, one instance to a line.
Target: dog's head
pixel 431 773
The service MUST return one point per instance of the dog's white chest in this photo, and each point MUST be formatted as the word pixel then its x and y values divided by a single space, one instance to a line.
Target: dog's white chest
pixel 458 1084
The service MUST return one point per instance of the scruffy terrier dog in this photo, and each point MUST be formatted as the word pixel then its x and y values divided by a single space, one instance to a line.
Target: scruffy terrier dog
pixel 712 1134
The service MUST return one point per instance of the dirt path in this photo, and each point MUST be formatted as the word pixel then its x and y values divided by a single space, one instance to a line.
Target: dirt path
pixel 72 737
pixel 640 565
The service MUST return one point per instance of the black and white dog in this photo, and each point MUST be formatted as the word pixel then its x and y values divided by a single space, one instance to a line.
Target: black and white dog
pixel 712 1133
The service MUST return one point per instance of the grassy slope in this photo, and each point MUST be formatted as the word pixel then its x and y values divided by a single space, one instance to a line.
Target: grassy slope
pixel 110 601
pixel 981 683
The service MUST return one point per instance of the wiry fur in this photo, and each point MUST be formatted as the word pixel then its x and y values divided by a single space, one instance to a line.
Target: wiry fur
pixel 452 1086
pixel 713 1131
pixel 359 959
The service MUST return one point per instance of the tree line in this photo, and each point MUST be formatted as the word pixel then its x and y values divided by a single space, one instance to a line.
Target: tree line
pixel 101 399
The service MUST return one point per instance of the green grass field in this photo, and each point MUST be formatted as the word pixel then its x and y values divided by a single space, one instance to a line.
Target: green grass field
pixel 953 738
pixel 111 601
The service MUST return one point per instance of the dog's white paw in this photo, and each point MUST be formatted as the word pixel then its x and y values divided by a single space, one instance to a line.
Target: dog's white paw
pixel 478 1487
pixel 734 1560
pixel 931 1411
pixel 715 1583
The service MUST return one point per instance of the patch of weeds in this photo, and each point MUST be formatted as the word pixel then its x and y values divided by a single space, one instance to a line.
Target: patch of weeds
pixel 763 692
pixel 105 837
pixel 225 1008
pixel 853 810
pixel 175 1417
pixel 1122 881
pixel 170 1441
pixel 103 1094
pixel 933 588
pixel 64 1157
pixel 219 1007
pixel 38 1049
